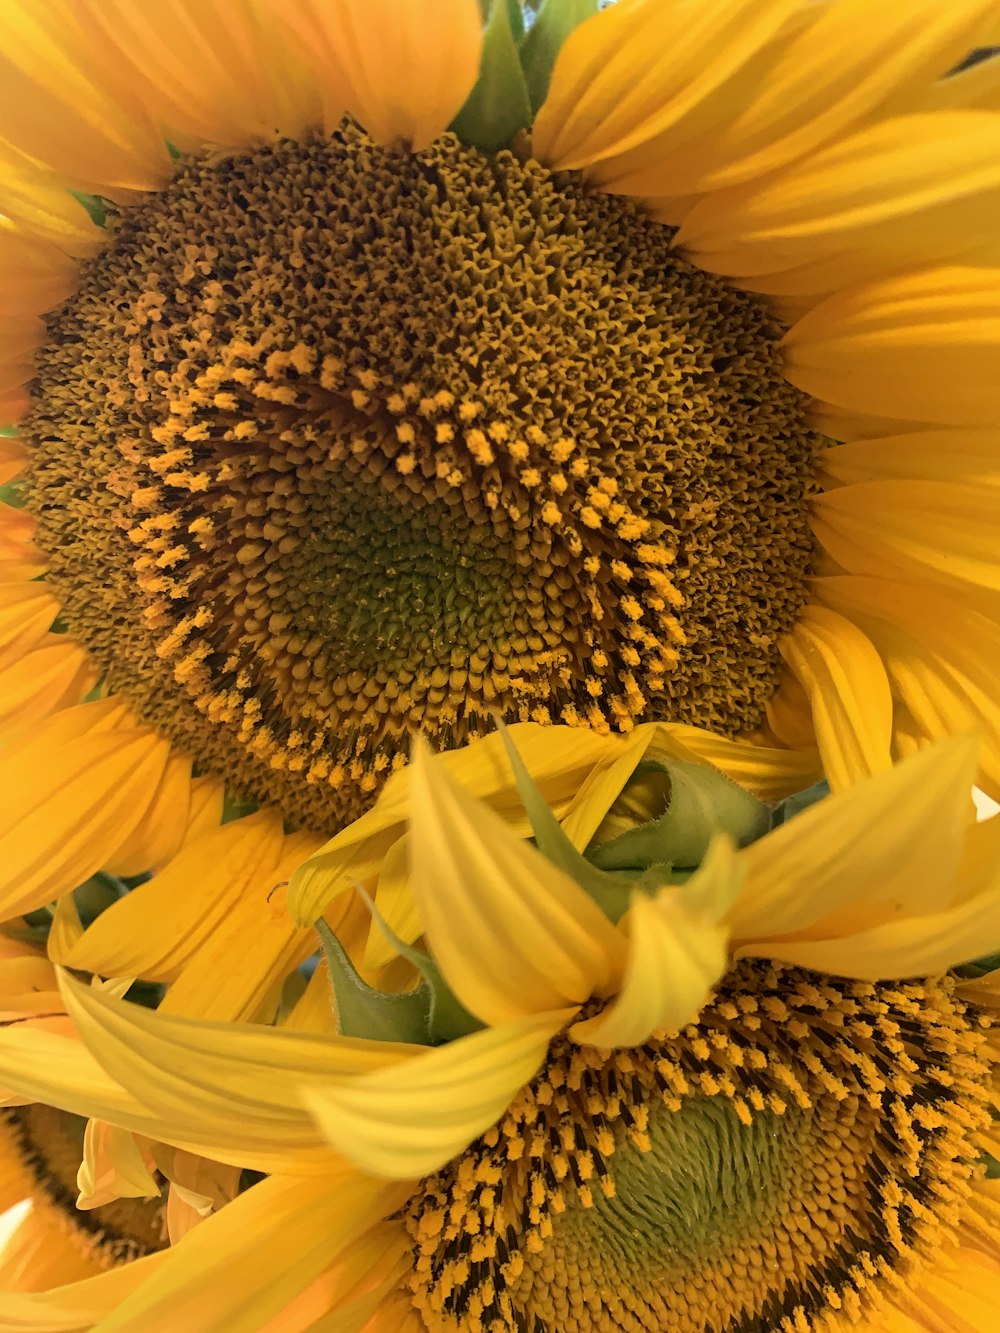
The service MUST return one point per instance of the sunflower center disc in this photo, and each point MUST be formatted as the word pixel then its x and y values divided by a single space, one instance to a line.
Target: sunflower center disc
pixel 747 1175
pixel 336 443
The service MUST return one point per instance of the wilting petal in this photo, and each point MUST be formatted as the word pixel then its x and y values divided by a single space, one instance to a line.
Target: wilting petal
pixel 512 933
pixel 480 768
pixel 677 953
pixel 885 849
pixel 246 1263
pixel 220 1085
pixel 113 1167
pixel 407 1122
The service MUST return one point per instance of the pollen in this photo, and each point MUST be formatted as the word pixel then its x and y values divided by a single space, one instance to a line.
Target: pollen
pixel 375 416
pixel 684 1186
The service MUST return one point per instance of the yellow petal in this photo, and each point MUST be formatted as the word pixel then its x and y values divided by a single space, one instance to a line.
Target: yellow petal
pixel 44 211
pixel 246 1263
pixel 34 275
pixel 160 834
pixel 647 75
pixel 402 70
pixel 967 456
pixel 55 675
pixel 69 807
pixel 13 459
pixel 154 930
pixel 407 1122
pixel 227 1086
pixel 511 932
pixel 255 945
pixel 769 773
pixel 848 692
pixel 945 531
pixel 816 81
pixel 866 205
pixel 19 560
pixel 27 611
pixel 214 72
pixel 887 848
pixel 113 1167
pixel 677 953
pixel 78 1306
pixel 913 947
pixel 977 85
pixel 921 346
pixel 940 654
pixel 60 104
pixel 558 759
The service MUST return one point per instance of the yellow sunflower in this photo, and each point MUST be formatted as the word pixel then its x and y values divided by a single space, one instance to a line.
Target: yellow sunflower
pixel 380 367
pixel 752 1099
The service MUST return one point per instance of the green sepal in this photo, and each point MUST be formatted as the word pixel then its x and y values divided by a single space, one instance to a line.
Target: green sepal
pixel 235 806
pixel 448 1018
pixel 363 1011
pixel 794 805
pixel 610 892
pixel 96 895
pixel 97 207
pixel 12 494
pixel 701 802
pixel 979 967
pixel 498 105
pixel 553 23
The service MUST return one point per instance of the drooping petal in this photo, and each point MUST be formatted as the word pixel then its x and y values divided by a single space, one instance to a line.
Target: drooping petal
pixel 231 1083
pixel 917 946
pixel 113 1167
pixel 921 346
pixel 945 531
pixel 481 768
pixel 78 1306
pixel 407 1122
pixel 677 953
pixel 402 70
pixel 248 1262
pixel 848 692
pixel 511 932
pixel 884 849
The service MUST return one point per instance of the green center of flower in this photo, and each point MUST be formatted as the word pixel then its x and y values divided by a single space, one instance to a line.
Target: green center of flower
pixel 47 1144
pixel 805 1140
pixel 336 443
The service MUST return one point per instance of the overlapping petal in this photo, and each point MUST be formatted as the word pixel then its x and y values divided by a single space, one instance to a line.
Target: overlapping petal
pixel 886 849
pixel 512 933
pixel 848 691
pixel 406 1122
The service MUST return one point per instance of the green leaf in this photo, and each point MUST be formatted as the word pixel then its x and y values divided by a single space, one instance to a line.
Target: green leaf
pixel 554 22
pixel 498 105
pixel 610 892
pixel 448 1018
pixel 363 1011
pixel 701 802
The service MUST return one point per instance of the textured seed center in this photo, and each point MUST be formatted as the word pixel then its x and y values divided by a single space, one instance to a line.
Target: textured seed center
pixel 336 443
pixel 806 1142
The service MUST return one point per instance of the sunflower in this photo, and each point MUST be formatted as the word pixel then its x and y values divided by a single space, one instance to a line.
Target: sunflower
pixel 748 1096
pixel 381 367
